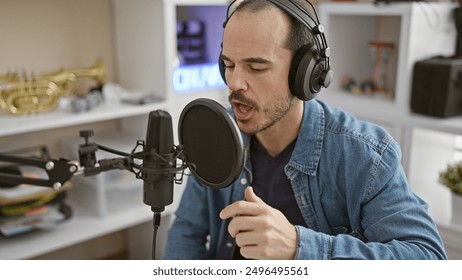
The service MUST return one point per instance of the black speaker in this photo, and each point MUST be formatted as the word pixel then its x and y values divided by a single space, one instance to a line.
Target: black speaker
pixel 310 68
pixel 437 87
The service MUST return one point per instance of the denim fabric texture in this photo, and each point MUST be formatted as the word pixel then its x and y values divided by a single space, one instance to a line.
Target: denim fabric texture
pixel 351 189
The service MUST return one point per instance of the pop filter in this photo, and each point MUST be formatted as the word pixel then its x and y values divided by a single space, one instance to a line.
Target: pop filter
pixel 212 143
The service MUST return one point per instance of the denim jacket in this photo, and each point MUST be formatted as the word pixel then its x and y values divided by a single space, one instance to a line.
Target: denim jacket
pixel 349 185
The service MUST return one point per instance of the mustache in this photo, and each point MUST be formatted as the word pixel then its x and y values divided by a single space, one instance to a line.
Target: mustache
pixel 239 96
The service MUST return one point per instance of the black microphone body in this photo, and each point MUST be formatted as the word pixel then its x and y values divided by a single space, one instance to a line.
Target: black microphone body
pixel 158 184
pixel 458 24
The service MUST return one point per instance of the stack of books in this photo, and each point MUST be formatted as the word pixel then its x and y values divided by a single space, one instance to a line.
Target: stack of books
pixel 24 208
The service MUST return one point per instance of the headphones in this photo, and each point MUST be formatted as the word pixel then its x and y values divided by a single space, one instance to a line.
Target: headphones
pixel 310 68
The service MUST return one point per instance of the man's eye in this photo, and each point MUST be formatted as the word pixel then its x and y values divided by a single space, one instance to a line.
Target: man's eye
pixel 229 66
pixel 258 69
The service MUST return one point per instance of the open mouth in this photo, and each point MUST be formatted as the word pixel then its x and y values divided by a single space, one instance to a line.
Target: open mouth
pixel 242 111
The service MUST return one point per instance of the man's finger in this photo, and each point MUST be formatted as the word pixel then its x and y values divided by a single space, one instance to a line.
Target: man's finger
pixel 251 196
pixel 249 207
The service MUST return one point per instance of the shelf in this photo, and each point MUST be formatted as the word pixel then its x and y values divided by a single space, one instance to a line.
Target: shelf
pixel 77 229
pixel 108 202
pixel 451 235
pixel 351 26
pixel 451 125
pixel 366 9
pixel 418 31
pixel 375 105
pixel 81 227
pixel 62 117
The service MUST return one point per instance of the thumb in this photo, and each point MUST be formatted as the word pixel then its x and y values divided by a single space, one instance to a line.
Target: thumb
pixel 251 196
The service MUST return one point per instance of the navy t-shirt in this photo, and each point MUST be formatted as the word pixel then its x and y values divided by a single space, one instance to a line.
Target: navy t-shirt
pixel 270 182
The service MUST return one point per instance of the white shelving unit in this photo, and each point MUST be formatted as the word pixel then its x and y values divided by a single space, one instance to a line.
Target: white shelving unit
pixel 138 32
pixel 101 204
pixel 149 65
pixel 418 31
pixel 77 230
pixel 13 124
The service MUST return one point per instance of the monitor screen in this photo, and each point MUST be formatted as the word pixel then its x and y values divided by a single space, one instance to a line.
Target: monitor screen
pixel 199 31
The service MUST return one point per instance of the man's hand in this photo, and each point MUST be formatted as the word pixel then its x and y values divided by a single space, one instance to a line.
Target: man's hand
pixel 261 231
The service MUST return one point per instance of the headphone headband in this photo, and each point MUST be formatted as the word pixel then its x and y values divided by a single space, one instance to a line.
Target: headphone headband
pixel 310 70
pixel 303 15
pixel 313 24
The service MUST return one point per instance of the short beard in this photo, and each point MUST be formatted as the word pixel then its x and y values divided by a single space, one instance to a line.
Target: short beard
pixel 271 115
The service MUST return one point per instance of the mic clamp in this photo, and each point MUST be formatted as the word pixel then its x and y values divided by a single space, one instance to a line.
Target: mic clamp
pixel 90 165
pixel 169 165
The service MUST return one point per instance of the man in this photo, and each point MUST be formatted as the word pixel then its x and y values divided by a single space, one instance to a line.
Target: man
pixel 317 183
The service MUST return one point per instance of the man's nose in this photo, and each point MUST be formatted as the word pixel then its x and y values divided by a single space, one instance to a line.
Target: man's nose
pixel 236 80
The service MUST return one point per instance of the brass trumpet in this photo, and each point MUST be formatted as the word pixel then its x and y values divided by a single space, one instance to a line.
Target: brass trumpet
pixel 66 78
pixel 21 95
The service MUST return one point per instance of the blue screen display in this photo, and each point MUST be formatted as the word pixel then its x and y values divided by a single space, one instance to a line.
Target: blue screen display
pixel 197 77
pixel 199 35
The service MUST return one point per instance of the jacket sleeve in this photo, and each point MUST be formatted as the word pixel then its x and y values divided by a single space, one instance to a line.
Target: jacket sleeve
pixel 188 235
pixel 395 222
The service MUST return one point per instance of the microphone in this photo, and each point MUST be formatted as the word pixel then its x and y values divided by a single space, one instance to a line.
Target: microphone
pixel 158 161
pixel 210 145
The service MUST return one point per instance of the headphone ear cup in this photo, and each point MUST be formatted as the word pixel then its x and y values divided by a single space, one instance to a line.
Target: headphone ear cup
pixel 316 77
pixel 221 68
pixel 301 70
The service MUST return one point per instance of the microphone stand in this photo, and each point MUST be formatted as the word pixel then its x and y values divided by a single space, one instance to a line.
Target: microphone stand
pixel 60 171
pixel 88 161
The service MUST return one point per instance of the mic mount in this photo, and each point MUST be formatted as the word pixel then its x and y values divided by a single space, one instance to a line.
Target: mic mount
pixel 91 166
pixel 59 171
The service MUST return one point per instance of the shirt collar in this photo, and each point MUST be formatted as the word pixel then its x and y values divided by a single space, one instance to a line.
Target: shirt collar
pixel 307 152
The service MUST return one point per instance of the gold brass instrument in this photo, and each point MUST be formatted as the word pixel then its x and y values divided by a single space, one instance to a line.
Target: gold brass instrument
pixel 66 78
pixel 22 95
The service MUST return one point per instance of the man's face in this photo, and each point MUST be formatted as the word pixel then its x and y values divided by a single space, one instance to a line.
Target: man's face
pixel 257 68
